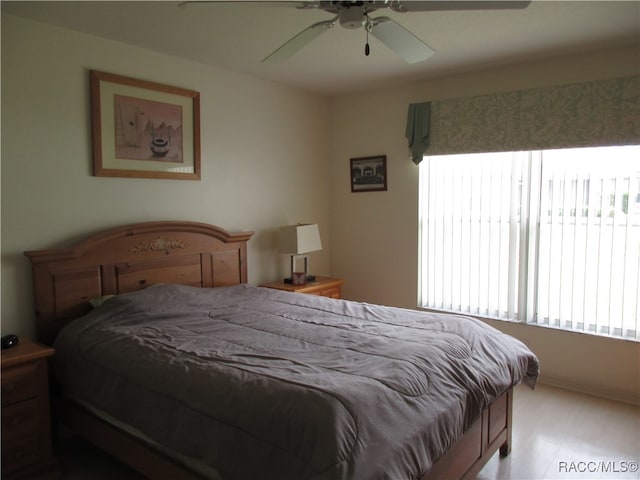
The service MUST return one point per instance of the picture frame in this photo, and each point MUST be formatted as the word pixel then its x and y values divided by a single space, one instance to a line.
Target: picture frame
pixel 143 129
pixel 369 174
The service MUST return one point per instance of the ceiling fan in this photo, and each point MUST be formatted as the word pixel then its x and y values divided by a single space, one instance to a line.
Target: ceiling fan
pixel 355 14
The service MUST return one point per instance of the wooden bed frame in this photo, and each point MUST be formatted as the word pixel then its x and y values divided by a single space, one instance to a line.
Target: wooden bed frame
pixel 132 257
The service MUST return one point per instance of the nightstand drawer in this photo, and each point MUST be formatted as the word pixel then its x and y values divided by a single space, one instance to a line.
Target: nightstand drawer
pixel 20 420
pixel 26 417
pixel 19 383
pixel 331 292
pixel 23 452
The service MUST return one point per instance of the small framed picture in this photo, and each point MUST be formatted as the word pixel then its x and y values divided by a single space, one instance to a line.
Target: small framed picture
pixel 369 174
pixel 299 278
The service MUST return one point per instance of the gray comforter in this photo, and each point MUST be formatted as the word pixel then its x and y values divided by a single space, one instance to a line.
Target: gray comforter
pixel 259 383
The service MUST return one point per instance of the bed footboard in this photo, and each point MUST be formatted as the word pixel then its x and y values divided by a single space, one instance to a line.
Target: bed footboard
pixel 490 433
pixel 132 451
pixel 463 461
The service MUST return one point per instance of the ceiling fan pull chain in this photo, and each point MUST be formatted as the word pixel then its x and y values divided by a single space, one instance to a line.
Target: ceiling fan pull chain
pixel 367 27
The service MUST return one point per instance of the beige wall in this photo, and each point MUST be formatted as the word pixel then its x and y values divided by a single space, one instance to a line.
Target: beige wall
pixel 374 236
pixel 269 157
pixel 265 160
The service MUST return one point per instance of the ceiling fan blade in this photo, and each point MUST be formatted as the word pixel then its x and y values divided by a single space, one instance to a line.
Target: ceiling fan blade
pixel 433 6
pixel 400 40
pixel 255 3
pixel 302 39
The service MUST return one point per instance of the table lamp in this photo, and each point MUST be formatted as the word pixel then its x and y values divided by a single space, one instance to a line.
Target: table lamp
pixel 297 240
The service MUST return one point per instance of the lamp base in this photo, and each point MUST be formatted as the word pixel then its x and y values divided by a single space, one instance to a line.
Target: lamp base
pixel 310 278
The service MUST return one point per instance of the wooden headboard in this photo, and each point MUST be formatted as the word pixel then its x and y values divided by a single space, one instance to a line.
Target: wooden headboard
pixel 128 258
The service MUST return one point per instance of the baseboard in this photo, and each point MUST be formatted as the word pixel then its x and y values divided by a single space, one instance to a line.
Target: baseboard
pixel 591 389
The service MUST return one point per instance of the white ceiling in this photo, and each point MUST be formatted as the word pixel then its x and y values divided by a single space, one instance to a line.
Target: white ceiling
pixel 238 35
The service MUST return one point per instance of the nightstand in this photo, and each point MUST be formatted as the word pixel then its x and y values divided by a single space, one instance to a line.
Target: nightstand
pixel 324 286
pixel 26 420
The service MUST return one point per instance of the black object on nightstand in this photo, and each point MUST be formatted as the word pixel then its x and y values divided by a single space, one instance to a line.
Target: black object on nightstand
pixel 10 340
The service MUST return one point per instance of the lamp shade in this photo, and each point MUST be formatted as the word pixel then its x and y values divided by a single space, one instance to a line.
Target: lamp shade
pixel 299 239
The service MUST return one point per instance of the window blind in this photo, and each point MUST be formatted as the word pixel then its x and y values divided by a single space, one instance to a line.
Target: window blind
pixel 548 237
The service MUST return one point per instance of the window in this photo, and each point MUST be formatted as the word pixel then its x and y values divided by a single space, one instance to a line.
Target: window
pixel 547 237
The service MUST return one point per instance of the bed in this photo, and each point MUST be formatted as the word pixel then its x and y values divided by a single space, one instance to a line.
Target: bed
pixel 167 359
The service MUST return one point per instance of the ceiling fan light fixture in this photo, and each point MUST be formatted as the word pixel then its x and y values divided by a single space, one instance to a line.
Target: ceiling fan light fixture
pixel 352 17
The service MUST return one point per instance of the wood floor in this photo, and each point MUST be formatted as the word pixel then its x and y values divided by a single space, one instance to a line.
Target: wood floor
pixel 557 435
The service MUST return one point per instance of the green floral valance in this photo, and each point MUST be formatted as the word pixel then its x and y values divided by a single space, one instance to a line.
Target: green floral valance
pixel 605 112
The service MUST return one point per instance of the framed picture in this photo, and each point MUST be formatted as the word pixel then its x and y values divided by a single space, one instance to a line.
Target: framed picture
pixel 369 174
pixel 144 129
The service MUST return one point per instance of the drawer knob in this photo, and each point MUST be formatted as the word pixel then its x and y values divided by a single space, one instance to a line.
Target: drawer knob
pixel 8 388
pixel 15 421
